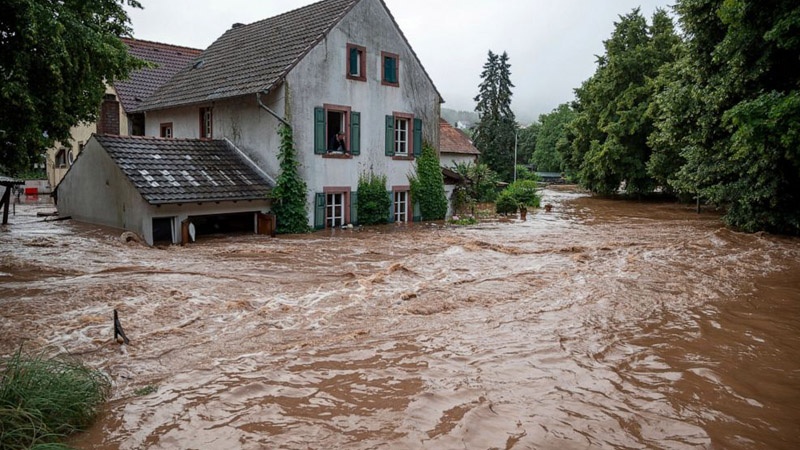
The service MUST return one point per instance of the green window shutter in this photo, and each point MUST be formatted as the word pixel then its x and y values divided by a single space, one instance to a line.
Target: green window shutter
pixel 354 207
pixel 391 207
pixel 355 133
pixel 319 130
pixel 390 69
pixel 353 61
pixel 389 135
pixel 417 137
pixel 319 211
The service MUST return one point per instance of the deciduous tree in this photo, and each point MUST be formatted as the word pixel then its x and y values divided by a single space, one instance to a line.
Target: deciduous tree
pixel 55 58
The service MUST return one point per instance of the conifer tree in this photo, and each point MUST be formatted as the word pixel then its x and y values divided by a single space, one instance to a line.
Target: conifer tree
pixel 495 133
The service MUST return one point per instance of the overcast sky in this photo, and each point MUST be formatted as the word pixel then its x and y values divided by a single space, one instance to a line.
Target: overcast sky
pixel 551 44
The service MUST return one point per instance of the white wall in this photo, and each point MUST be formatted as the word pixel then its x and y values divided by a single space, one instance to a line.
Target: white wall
pixel 318 79
pixel 449 160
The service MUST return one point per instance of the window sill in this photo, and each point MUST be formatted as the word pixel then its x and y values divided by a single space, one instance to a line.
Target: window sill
pixel 356 78
pixel 403 158
pixel 337 155
pixel 389 83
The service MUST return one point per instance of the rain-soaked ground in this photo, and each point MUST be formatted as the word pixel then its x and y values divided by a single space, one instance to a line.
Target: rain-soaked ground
pixel 602 324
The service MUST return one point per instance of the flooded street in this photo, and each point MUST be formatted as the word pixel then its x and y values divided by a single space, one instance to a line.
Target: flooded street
pixel 601 324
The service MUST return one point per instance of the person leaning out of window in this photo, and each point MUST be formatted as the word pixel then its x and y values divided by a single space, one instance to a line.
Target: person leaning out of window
pixel 337 143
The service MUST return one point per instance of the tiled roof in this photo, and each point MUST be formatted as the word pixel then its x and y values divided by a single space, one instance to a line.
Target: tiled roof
pixel 250 58
pixel 169 59
pixel 452 140
pixel 186 170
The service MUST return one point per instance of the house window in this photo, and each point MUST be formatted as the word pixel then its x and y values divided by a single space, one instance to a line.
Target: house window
pixel 166 130
pixel 61 158
pixel 401 206
pixel 329 121
pixel 206 123
pixel 356 62
pixel 403 135
pixel 390 69
pixel 334 210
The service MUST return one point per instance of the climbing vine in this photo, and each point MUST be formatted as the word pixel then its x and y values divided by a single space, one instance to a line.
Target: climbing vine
pixel 289 195
pixel 427 186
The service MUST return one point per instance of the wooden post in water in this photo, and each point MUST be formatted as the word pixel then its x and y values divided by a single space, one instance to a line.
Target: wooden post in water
pixel 118 330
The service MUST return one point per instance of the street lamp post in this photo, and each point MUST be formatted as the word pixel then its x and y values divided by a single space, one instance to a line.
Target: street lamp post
pixel 516 135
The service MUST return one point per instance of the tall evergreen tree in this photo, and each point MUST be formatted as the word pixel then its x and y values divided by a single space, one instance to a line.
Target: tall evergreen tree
pixel 55 58
pixel 495 133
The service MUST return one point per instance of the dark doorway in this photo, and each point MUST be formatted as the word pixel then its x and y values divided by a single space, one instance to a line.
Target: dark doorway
pixel 224 224
pixel 162 230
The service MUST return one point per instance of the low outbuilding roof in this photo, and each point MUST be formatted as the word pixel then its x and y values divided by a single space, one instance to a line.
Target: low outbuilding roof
pixel 452 140
pixel 186 170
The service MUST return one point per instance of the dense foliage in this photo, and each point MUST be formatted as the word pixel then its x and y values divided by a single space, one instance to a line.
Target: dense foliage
pixel 612 124
pixel 552 139
pixel 55 58
pixel 730 111
pixel 495 133
pixel 714 114
pixel 373 201
pixel 43 400
pixel 427 186
pixel 521 194
pixel 289 195
pixel 478 184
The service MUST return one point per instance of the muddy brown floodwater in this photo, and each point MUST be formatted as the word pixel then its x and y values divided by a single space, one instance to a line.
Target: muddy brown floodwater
pixel 602 324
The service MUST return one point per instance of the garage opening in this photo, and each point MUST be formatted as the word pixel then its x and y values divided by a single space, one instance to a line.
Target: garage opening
pixel 162 230
pixel 223 224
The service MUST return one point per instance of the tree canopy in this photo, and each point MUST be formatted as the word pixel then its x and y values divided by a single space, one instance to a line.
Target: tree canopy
pixel 552 139
pixel 55 58
pixel 496 131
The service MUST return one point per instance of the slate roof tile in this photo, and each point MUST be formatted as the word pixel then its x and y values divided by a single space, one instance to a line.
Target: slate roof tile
pixel 250 58
pixel 452 140
pixel 185 170
pixel 168 60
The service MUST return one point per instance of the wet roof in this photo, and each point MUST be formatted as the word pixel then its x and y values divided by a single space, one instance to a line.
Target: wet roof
pixel 250 58
pixel 186 170
pixel 168 60
pixel 452 140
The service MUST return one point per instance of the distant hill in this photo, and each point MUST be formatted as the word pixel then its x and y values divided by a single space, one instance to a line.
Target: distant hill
pixel 466 117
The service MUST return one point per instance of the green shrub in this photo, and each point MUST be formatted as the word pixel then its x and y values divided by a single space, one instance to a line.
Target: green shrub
pixel 506 203
pixel 43 400
pixel 525 192
pixel 373 200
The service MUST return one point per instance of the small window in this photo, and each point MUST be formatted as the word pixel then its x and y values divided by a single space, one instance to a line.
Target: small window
pixel 337 130
pixel 166 130
pixel 356 62
pixel 401 206
pixel 400 136
pixel 403 135
pixel 61 158
pixel 206 123
pixel 390 69
pixel 334 210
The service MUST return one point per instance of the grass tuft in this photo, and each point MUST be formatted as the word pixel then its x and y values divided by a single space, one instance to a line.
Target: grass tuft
pixel 45 399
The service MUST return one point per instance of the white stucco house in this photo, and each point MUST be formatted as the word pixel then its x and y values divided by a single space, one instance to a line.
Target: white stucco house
pixel 335 65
